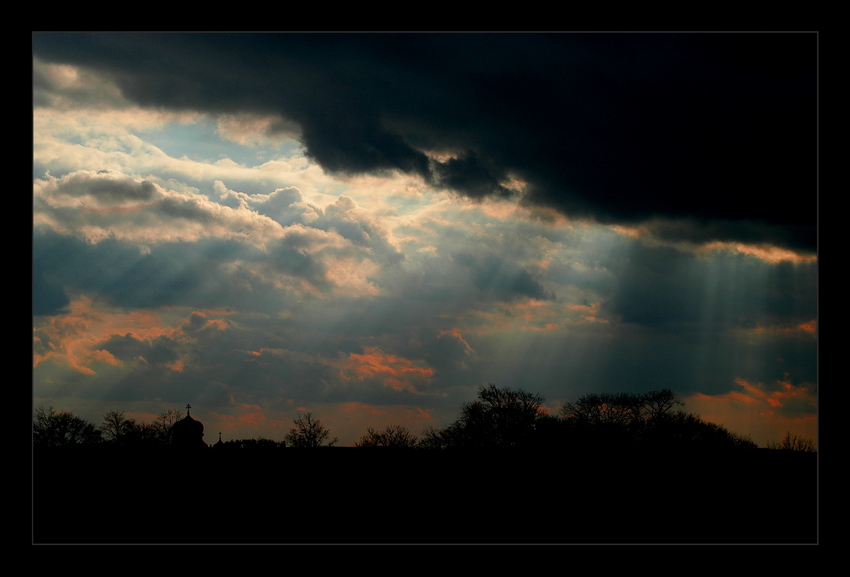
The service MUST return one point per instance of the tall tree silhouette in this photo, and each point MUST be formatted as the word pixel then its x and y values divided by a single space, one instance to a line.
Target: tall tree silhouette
pixel 308 432
pixel 604 409
pixel 659 403
pixel 164 425
pixel 498 418
pixel 119 429
pixel 116 427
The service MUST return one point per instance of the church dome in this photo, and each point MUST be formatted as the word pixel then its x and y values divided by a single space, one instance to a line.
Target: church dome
pixel 189 425
pixel 189 432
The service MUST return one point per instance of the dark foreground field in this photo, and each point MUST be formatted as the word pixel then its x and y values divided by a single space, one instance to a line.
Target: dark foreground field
pixel 348 495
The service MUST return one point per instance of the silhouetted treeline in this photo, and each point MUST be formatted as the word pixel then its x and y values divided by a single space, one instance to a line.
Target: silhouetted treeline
pixel 499 418
pixel 52 428
pixel 609 468
pixel 253 445
pixel 512 418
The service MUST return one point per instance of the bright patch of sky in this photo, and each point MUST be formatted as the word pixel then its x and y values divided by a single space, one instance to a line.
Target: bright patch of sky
pixel 202 141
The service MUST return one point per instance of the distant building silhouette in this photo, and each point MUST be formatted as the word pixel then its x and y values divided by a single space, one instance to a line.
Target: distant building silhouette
pixel 189 433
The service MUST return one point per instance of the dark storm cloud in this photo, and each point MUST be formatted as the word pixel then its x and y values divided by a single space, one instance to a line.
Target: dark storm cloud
pixel 717 129
pixel 469 175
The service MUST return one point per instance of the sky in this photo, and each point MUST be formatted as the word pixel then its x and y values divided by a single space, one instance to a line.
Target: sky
pixel 369 227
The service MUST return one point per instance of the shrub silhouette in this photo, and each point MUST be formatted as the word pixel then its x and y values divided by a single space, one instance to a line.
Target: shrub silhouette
pixel 794 442
pixel 687 431
pixel 394 436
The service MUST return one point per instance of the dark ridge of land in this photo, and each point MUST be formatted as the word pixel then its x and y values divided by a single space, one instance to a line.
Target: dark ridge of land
pixel 357 495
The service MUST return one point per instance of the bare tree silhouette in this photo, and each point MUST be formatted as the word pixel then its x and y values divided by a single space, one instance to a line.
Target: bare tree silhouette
pixel 794 442
pixel 53 428
pixel 498 418
pixel 308 432
pixel 393 436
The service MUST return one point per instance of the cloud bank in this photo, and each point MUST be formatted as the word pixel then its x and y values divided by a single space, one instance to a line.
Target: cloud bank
pixel 714 134
pixel 372 226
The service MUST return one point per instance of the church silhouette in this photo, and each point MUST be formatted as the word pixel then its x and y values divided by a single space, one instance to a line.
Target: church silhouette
pixel 189 433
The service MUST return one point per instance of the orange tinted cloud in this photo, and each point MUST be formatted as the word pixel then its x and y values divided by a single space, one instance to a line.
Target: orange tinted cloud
pixel 808 328
pixel 458 336
pixel 769 399
pixel 250 415
pixel 200 320
pixel 544 329
pixel 589 313
pixel 77 338
pixel 766 253
pixel 765 413
pixel 536 316
pixel 385 415
pixel 244 421
pixel 393 371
